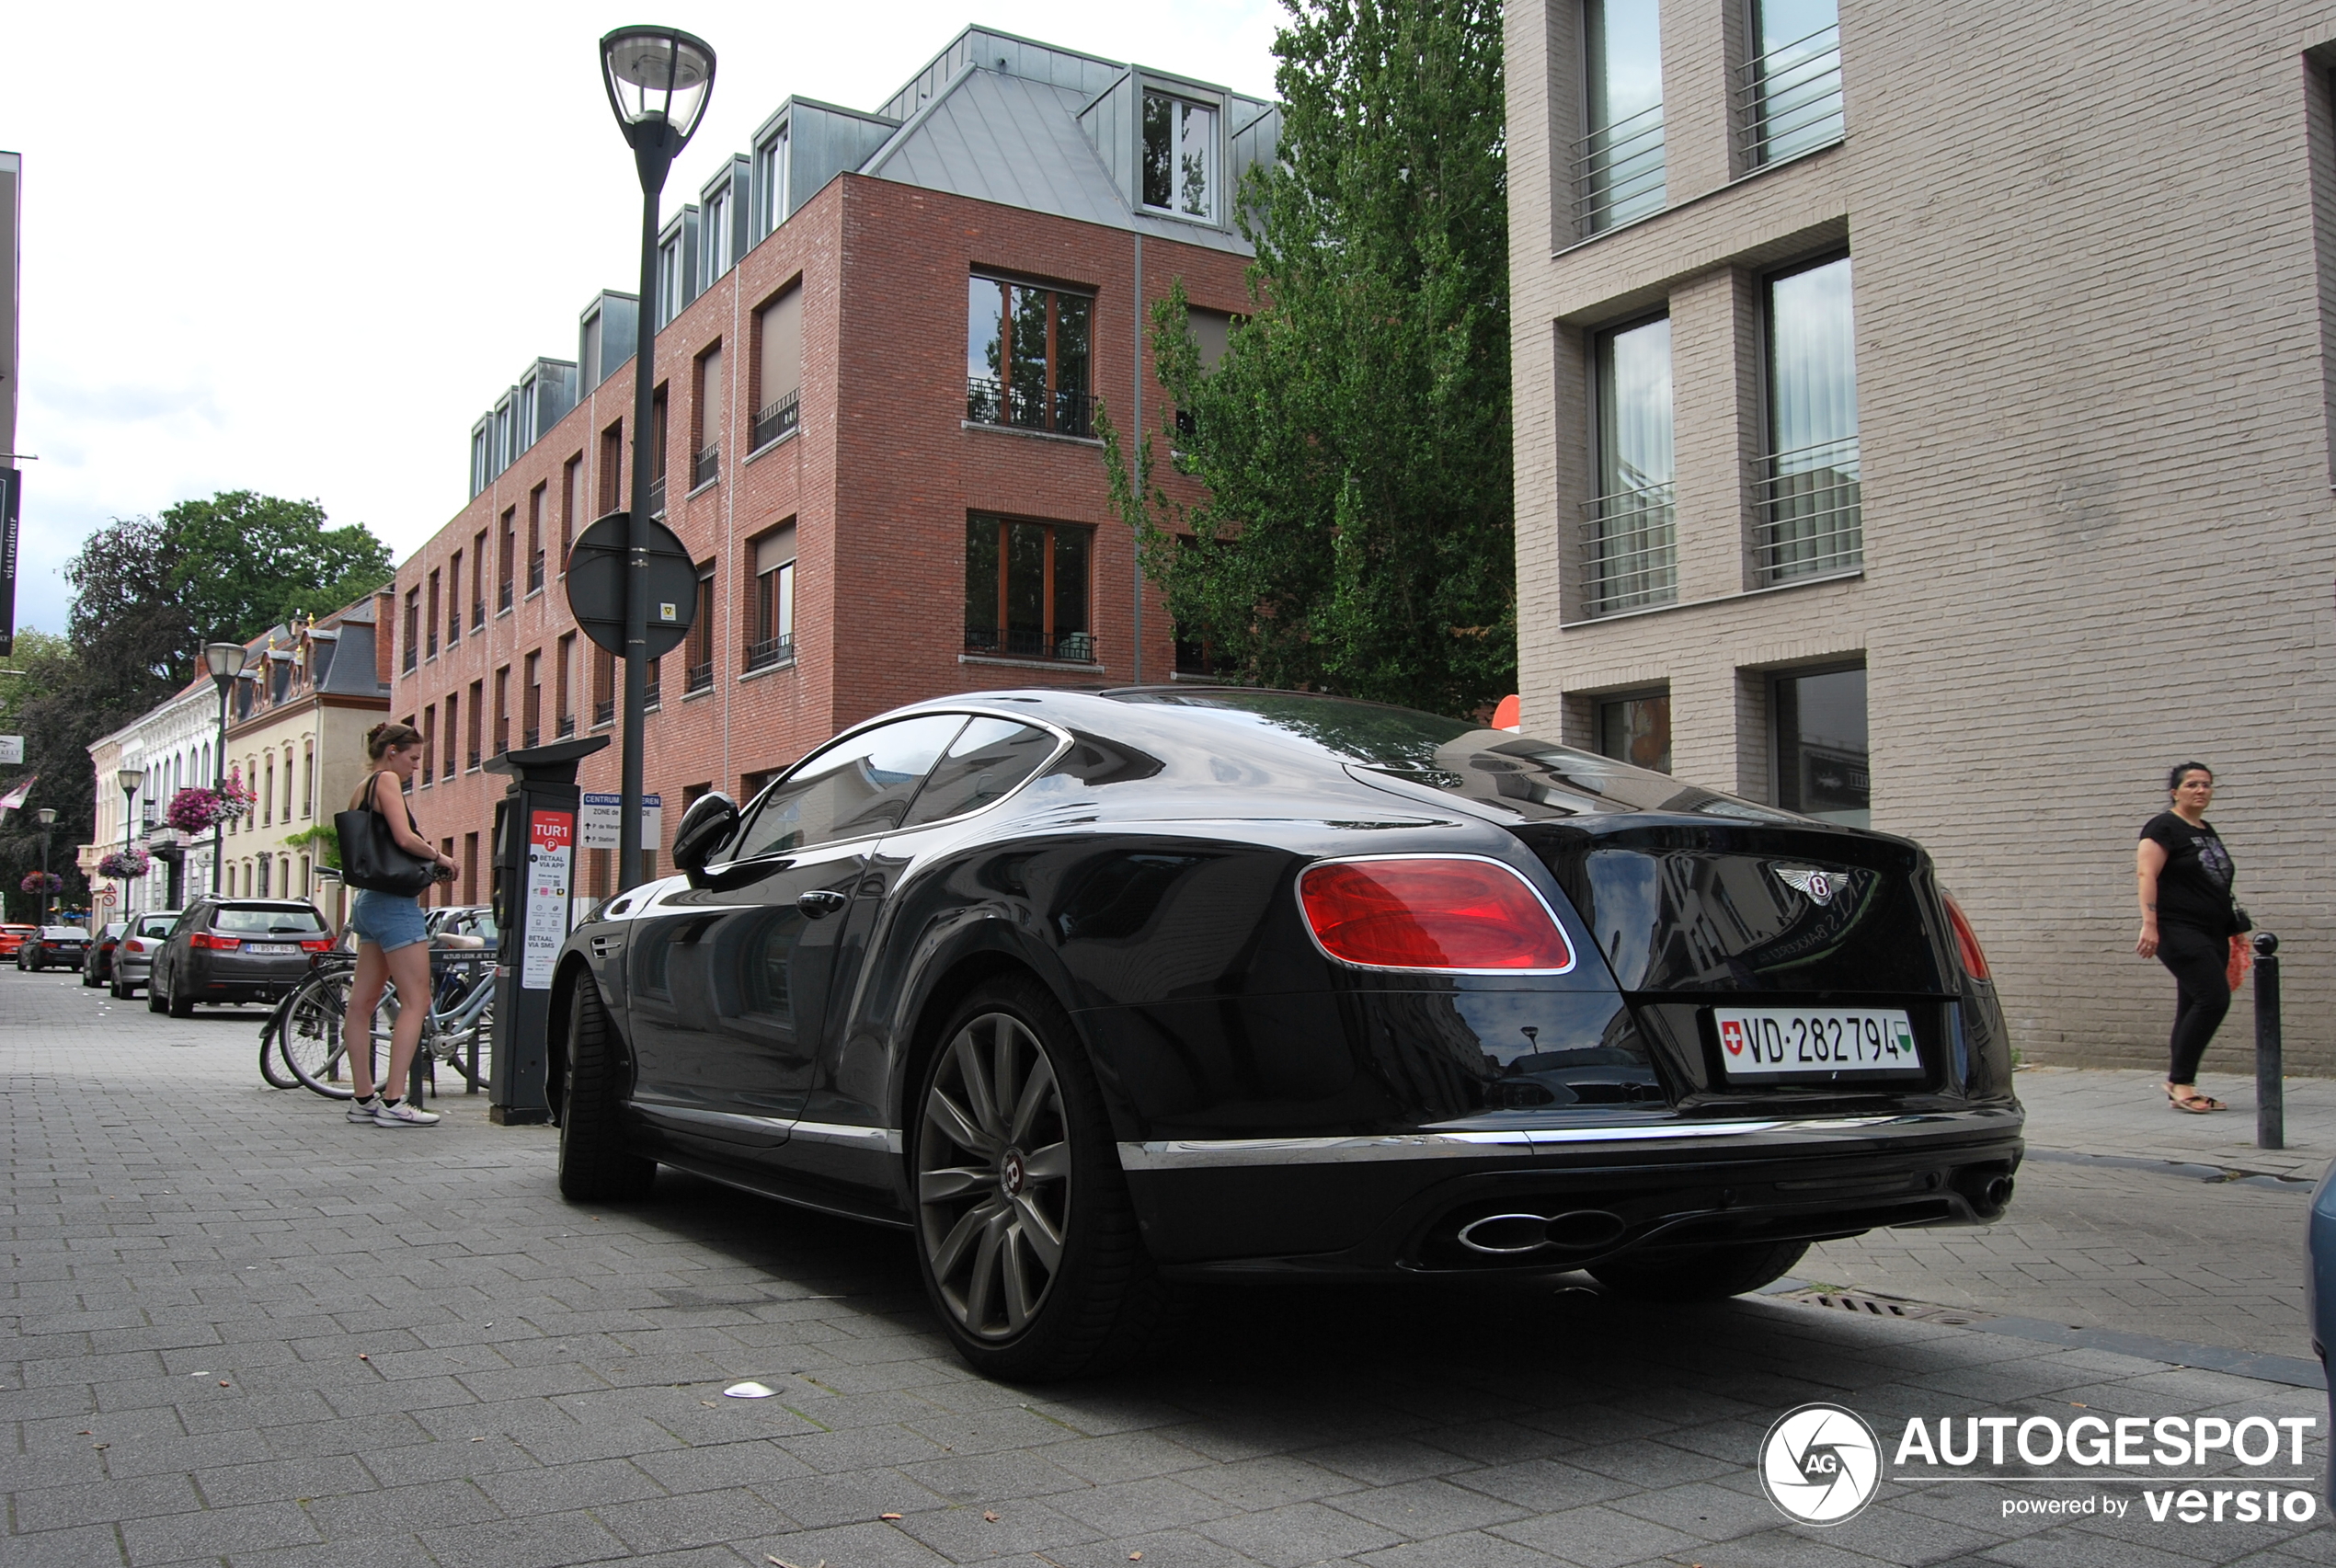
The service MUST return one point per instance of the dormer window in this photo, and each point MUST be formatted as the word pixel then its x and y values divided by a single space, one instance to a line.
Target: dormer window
pixel 716 237
pixel 1180 157
pixel 668 279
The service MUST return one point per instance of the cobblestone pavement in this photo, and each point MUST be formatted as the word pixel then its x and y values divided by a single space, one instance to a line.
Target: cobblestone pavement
pixel 239 1329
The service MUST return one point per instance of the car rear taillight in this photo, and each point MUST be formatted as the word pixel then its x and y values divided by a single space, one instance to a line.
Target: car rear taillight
pixel 1432 912
pixel 204 940
pixel 323 946
pixel 1967 940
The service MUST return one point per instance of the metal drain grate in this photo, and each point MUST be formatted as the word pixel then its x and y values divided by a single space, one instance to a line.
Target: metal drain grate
pixel 1885 1307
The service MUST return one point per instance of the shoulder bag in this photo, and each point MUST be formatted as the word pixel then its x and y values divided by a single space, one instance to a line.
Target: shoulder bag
pixel 369 855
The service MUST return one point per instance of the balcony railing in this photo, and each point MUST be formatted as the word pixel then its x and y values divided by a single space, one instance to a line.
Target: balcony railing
pixel 1062 412
pixel 470 763
pixel 779 420
pixel 430 641
pixel 1789 101
pixel 770 651
pixel 455 630
pixel 529 737
pixel 567 726
pixel 1067 647
pixel 1618 172
pixel 705 465
pixel 411 658
pixel 1630 551
pixel 603 712
pixel 1807 515
pixel 503 595
pixel 479 615
pixel 536 572
pixel 653 695
pixel 657 496
pixel 698 678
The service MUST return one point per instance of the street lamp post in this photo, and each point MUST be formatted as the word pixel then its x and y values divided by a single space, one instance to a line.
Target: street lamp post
pixel 225 660
pixel 48 819
pixel 128 779
pixel 658 80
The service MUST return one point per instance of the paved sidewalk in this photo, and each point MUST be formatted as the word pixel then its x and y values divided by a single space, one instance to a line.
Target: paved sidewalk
pixel 2125 1116
pixel 237 1330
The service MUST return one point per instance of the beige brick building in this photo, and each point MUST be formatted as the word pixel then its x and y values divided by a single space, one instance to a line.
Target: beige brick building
pixel 1924 417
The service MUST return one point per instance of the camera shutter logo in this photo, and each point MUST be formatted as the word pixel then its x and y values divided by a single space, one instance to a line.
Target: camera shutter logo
pixel 1820 1464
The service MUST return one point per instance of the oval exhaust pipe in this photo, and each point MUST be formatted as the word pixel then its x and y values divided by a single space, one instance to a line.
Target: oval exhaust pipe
pixel 1504 1235
pixel 1999 1192
pixel 1582 1229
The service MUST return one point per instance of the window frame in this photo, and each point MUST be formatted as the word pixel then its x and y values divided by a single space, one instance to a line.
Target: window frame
pixel 1774 679
pixel 1048 595
pixel 1188 97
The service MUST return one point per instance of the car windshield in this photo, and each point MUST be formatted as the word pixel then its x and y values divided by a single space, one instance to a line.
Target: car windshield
pixel 267 920
pixel 1535 779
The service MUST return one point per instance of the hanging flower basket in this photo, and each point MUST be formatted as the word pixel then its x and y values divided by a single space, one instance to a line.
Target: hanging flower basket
pixel 236 798
pixel 42 882
pixel 194 810
pixel 125 866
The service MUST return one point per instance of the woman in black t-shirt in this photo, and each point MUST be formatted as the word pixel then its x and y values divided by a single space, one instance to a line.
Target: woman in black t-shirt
pixel 2184 877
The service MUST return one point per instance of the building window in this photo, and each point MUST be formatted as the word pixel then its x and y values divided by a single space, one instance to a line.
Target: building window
pixel 502 710
pixel 715 238
pixel 308 778
pixel 289 791
pixel 769 183
pixel 1617 165
pixel 264 891
pixel 430 634
pixel 454 728
pixel 478 580
pixel 603 686
pixel 656 454
pixel 1635 727
pixel 771 635
pixel 1180 157
pixel 611 467
pixel 571 496
pixel 430 743
pixel 778 331
pixel 413 626
pixel 564 688
pixel 532 701
pixel 479 474
pixel 454 600
pixel 536 540
pixel 471 736
pixel 706 457
pixel 1807 516
pixel 1026 589
pixel 507 548
pixel 1790 91
pixel 470 868
pixel 698 674
pixel 1821 751
pixel 267 793
pixel 1026 357
pixel 1630 541
pixel 668 279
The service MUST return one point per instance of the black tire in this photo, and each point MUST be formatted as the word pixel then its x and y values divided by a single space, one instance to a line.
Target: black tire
pixel 1700 1273
pixel 993 1200
pixel 120 991
pixel 156 1002
pixel 177 1006
pixel 89 980
pixel 271 1051
pixel 595 1165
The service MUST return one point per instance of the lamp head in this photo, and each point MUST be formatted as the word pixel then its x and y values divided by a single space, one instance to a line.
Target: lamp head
pixel 225 660
pixel 129 779
pixel 658 80
pixel 46 816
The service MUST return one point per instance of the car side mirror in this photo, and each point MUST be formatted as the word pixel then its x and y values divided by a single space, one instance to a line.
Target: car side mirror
pixel 705 827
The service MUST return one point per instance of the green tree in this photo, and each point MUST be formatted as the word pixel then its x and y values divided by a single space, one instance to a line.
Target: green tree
pixel 1358 530
pixel 48 703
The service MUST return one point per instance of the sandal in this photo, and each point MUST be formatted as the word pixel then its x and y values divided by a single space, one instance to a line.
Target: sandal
pixel 2194 1103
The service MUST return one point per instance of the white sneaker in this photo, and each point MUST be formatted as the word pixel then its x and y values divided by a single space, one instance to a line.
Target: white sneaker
pixel 360 1112
pixel 403 1114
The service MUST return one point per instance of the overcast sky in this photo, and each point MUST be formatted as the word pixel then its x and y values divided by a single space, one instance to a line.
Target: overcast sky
pixel 299 249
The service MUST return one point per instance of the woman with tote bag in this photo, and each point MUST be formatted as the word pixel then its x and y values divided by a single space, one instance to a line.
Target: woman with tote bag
pixel 384 846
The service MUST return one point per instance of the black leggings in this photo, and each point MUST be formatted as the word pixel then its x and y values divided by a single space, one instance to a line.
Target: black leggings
pixel 2201 966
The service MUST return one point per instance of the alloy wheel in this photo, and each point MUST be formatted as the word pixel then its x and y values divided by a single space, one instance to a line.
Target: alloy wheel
pixel 993 1176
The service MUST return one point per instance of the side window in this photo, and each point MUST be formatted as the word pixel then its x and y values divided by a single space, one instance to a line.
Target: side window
pixel 855 787
pixel 984 763
pixel 190 921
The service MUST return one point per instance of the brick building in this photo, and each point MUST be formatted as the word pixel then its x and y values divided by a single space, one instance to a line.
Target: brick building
pixel 882 338
pixel 1923 417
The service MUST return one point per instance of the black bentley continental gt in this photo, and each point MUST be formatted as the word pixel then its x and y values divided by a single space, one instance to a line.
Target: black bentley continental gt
pixel 1094 992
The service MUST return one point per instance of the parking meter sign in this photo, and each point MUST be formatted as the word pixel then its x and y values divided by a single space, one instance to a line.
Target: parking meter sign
pixel 550 853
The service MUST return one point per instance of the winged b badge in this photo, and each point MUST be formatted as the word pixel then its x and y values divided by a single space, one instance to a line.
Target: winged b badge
pixel 1817 885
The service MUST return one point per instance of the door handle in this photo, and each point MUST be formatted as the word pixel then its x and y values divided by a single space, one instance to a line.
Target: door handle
pixel 820 902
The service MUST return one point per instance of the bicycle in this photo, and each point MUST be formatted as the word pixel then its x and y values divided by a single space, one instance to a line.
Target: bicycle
pixel 309 1028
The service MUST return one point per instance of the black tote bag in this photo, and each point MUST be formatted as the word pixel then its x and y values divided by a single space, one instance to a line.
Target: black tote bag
pixel 371 859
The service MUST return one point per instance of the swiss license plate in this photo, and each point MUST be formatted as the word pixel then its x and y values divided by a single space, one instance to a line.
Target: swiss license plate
pixel 272 949
pixel 1775 1042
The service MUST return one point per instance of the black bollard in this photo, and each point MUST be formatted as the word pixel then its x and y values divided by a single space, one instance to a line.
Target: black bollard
pixel 2271 1107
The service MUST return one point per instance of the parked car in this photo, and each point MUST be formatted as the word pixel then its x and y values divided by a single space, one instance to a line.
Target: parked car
pixel 12 939
pixel 224 950
pixel 97 965
pixel 134 961
pixel 2319 1290
pixel 462 925
pixel 1091 992
pixel 51 946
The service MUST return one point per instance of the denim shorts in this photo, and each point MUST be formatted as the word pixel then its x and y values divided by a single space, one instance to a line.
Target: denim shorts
pixel 387 921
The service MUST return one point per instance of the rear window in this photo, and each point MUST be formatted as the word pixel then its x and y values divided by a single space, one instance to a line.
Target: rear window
pixel 267 920
pixel 156 925
pixel 65 932
pixel 1535 779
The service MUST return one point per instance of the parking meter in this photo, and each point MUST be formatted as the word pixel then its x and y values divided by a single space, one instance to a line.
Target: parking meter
pixel 534 890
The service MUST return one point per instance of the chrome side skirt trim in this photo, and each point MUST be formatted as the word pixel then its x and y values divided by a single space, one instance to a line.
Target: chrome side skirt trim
pixel 1519 1142
pixel 874 1139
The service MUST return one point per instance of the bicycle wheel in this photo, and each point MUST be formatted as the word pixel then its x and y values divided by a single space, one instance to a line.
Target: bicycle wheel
pixel 315 1038
pixel 271 1050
